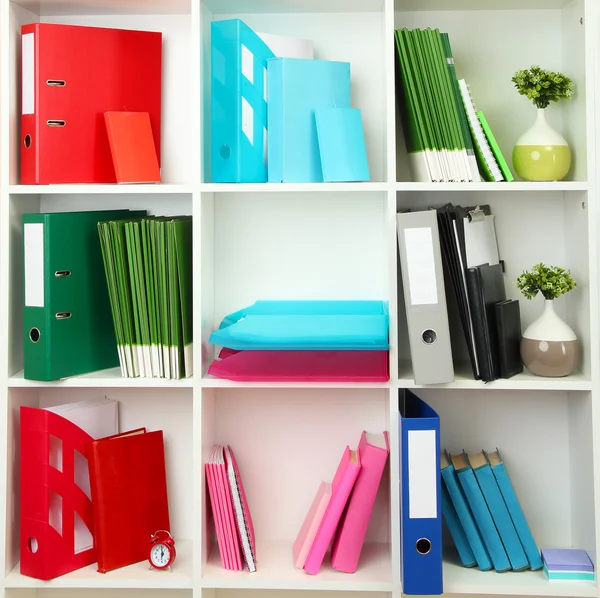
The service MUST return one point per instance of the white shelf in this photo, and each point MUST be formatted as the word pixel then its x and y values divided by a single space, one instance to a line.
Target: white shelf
pixel 209 381
pixel 226 7
pixel 294 187
pixel 165 189
pixel 514 187
pixel 58 8
pixel 460 580
pixel 524 381
pixel 276 571
pixel 451 5
pixel 110 378
pixel 139 575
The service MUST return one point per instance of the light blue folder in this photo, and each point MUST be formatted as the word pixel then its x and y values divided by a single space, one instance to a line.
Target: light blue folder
pixel 481 513
pixel 467 558
pixel 297 87
pixel 465 516
pixel 499 512
pixel 239 106
pixel 306 325
pixel 342 145
pixel 515 510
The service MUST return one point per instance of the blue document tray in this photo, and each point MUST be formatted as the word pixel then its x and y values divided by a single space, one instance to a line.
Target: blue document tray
pixel 306 325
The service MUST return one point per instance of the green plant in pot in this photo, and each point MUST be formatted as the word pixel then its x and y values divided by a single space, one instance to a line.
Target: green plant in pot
pixel 549 347
pixel 542 154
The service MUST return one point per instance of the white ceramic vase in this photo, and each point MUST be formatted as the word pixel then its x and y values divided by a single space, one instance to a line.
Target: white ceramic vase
pixel 542 154
pixel 549 346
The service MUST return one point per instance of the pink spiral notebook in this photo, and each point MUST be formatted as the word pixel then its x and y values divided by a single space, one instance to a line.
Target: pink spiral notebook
pixel 301 366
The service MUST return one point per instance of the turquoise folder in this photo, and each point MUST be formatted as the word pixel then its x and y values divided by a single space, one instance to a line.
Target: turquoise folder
pixel 238 60
pixel 464 515
pixel 467 558
pixel 342 145
pixel 481 513
pixel 297 87
pixel 306 325
pixel 499 512
pixel 515 510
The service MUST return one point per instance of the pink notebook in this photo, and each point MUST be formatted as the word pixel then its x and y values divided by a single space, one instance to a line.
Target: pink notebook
pixel 341 487
pixel 233 543
pixel 215 506
pixel 350 536
pixel 311 524
pixel 302 366
pixel 243 518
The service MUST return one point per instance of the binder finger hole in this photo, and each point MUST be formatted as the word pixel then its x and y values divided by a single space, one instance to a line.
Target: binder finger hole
pixel 429 337
pixel 27 141
pixel 34 335
pixel 32 545
pixel 225 151
pixel 423 546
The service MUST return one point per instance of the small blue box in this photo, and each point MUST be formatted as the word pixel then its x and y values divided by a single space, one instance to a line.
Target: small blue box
pixel 239 104
pixel 296 88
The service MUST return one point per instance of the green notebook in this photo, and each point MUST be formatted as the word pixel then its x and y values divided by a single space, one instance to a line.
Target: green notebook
pixel 508 176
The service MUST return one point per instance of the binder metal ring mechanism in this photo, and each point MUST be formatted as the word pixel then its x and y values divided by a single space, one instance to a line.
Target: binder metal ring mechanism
pixel 476 215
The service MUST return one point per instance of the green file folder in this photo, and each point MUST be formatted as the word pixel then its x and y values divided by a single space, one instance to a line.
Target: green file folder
pixel 68 328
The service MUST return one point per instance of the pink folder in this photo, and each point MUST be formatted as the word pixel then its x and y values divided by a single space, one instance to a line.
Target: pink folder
pixel 216 509
pixel 341 487
pixel 311 524
pixel 347 545
pixel 302 366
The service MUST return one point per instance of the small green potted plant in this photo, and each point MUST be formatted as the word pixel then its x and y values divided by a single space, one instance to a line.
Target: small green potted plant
pixel 542 154
pixel 549 347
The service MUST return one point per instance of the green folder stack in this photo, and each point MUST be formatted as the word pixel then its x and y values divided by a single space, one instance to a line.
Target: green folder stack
pixel 148 266
pixel 435 121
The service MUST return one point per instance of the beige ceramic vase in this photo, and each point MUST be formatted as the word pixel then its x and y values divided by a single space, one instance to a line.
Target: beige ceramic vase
pixel 549 346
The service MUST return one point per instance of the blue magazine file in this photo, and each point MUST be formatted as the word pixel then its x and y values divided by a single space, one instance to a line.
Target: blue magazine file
pixel 238 60
pixel 306 325
pixel 467 558
pixel 420 497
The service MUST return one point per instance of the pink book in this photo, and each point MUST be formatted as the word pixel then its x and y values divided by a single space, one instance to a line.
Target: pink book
pixel 341 487
pixel 230 525
pixel 216 509
pixel 350 536
pixel 311 523
pixel 243 518
pixel 302 366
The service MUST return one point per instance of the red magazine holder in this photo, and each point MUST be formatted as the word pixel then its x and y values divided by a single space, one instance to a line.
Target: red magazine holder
pixel 46 553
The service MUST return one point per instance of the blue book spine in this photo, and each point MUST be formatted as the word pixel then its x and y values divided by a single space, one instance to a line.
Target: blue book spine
pixel 467 558
pixel 483 518
pixel 238 60
pixel 500 515
pixel 466 519
pixel 517 516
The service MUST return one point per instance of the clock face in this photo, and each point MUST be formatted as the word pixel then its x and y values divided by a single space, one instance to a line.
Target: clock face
pixel 160 555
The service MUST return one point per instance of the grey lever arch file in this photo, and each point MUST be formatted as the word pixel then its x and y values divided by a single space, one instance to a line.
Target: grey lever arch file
pixel 425 297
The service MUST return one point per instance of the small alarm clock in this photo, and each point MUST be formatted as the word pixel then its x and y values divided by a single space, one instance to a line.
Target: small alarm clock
pixel 162 550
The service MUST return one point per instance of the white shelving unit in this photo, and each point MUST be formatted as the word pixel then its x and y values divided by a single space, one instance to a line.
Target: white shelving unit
pixel 327 241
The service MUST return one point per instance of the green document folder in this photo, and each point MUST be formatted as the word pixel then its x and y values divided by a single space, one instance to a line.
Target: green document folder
pixel 68 328
pixel 508 176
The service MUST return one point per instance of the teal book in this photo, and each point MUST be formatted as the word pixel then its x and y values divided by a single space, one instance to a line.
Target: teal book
pixel 504 524
pixel 515 510
pixel 464 514
pixel 481 513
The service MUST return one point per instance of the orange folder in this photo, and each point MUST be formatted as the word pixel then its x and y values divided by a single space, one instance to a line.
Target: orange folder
pixel 132 147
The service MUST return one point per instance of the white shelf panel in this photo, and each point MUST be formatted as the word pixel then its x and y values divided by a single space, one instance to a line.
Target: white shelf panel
pixel 524 381
pixel 170 189
pixel 135 576
pixel 110 378
pixel 58 8
pixel 209 381
pixel 224 7
pixel 480 4
pixel 516 186
pixel 460 580
pixel 276 571
pixel 293 187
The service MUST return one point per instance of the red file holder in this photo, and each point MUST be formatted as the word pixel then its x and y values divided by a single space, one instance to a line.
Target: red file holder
pixel 46 553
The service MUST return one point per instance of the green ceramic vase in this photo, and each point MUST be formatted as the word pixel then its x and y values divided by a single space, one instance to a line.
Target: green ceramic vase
pixel 542 154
